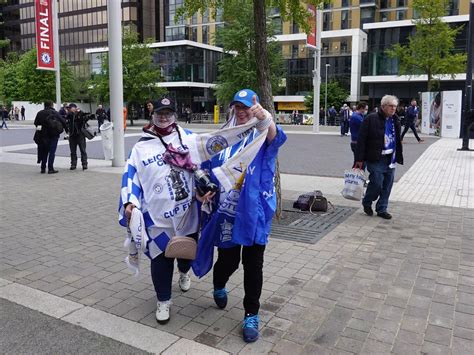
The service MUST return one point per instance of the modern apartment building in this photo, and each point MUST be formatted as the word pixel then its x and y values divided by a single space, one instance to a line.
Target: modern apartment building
pixel 355 35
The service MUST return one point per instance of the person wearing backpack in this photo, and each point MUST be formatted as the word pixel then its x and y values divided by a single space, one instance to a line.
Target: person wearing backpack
pixel 49 125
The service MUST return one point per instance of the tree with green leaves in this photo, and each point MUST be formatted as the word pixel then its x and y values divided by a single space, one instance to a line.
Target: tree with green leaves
pixel 22 81
pixel 238 67
pixel 295 10
pixel 431 50
pixel 140 74
pixel 337 95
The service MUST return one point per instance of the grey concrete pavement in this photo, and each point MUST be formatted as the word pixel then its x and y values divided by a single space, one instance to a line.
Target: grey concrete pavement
pixel 370 286
pixel 48 335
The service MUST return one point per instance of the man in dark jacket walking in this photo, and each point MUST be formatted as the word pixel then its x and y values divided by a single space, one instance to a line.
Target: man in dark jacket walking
pixel 47 138
pixel 75 122
pixel 411 116
pixel 379 145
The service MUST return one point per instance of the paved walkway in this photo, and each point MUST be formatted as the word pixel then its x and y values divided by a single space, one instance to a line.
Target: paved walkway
pixel 370 286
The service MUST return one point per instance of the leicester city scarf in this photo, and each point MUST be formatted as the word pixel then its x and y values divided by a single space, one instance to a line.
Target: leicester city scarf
pixel 389 141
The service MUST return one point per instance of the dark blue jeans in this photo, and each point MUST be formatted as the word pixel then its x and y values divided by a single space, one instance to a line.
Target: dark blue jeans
pixel 162 273
pixel 48 153
pixel 52 152
pixel 380 184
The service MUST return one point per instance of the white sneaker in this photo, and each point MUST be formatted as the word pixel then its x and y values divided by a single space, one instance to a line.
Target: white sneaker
pixel 163 312
pixel 184 281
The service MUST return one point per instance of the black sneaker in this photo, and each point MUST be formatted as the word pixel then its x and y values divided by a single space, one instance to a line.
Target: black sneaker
pixel 84 167
pixel 384 215
pixel 43 171
pixel 73 167
pixel 52 171
pixel 368 211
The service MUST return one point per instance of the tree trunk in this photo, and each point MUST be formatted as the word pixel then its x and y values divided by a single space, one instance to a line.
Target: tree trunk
pixel 263 67
pixel 263 78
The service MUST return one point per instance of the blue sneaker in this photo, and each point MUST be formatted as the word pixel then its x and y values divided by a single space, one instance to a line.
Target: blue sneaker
pixel 250 328
pixel 220 297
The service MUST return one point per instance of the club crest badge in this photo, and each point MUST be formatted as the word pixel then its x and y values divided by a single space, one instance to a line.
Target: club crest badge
pixel 242 93
pixel 157 188
pixel 165 101
pixel 216 144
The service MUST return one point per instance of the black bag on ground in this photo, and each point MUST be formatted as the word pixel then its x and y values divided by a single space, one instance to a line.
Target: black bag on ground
pixel 313 201
pixel 52 126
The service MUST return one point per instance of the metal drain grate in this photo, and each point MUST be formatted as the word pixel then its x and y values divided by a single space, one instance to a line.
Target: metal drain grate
pixel 307 228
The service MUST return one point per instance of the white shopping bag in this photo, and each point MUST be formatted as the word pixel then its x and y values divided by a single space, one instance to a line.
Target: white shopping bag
pixel 354 180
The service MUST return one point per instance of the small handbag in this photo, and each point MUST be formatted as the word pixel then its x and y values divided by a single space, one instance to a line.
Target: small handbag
pixel 181 247
pixel 87 132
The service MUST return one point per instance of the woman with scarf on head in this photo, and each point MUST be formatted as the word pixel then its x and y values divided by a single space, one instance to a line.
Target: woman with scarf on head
pixel 240 224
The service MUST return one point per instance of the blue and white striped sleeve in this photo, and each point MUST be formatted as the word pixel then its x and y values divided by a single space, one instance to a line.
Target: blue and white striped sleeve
pixel 131 191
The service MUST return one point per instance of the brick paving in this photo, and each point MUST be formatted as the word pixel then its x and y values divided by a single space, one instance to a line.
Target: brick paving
pixel 369 286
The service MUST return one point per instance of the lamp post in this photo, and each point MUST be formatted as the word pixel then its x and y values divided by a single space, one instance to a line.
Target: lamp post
pixel 326 96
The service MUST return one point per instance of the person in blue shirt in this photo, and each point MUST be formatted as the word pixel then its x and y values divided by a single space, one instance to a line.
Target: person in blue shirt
pixel 411 116
pixel 355 123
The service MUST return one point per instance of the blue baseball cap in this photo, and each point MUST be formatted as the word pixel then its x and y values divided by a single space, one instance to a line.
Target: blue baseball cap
pixel 244 96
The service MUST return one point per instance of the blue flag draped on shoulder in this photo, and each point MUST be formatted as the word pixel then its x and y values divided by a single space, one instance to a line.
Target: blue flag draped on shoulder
pixel 243 217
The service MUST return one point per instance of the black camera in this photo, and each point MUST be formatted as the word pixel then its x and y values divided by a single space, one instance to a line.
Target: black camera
pixel 204 183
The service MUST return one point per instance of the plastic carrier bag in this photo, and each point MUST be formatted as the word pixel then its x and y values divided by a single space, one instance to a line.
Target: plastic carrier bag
pixel 354 180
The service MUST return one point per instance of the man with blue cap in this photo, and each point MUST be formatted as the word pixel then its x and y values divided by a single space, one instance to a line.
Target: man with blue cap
pixel 240 224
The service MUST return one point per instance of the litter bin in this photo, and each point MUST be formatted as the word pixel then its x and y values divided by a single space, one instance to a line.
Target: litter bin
pixel 106 130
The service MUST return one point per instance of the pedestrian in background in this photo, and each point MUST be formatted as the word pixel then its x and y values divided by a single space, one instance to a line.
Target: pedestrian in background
pixel 17 113
pixel 149 111
pixel 76 121
pixel 101 116
pixel 411 118
pixel 63 111
pixel 4 117
pixel 47 136
pixel 345 115
pixel 355 122
pixel 332 113
pixel 379 145
pixel 22 113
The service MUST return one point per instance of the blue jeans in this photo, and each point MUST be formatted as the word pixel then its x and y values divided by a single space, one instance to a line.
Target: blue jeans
pixel 52 152
pixel 380 184
pixel 162 273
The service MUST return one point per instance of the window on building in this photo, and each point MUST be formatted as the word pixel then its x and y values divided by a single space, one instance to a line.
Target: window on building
pixel 384 4
pixel 401 3
pixel 277 25
pixel 401 15
pixel 205 34
pixel 345 3
pixel 367 15
pixel 327 21
pixel 384 16
pixel 453 8
pixel 345 19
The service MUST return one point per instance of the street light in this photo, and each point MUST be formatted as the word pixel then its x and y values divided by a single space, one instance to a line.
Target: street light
pixel 326 97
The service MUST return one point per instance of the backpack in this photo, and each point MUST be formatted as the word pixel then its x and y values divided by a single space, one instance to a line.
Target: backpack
pixel 52 126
